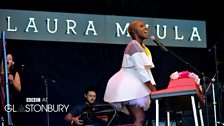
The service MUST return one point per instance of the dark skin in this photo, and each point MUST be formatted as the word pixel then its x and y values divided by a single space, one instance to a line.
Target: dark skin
pixel 139 32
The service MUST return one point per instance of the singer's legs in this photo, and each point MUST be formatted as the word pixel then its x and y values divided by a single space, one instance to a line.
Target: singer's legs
pixel 137 114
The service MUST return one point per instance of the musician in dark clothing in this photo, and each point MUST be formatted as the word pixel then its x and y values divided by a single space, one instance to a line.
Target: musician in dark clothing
pixel 13 74
pixel 83 114
pixel 14 84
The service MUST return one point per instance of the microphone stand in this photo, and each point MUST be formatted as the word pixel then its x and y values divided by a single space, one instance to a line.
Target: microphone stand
pixel 218 84
pixel 188 64
pixel 45 80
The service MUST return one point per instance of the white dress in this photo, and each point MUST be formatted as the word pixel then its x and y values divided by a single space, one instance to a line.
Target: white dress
pixel 128 83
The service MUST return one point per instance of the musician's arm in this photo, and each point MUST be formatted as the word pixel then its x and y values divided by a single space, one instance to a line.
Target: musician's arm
pixel 68 117
pixel 16 81
pixel 74 120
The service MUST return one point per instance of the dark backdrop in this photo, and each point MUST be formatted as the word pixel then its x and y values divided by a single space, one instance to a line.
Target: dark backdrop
pixel 70 67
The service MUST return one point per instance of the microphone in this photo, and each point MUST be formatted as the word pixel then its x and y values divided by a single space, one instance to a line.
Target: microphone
pixel 213 79
pixel 46 79
pixel 11 63
pixel 159 44
pixel 213 47
pixel 23 65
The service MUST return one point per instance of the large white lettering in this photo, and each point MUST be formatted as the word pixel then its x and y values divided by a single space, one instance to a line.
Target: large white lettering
pixel 90 27
pixel 31 24
pixel 195 34
pixel 177 37
pixel 8 25
pixel 119 29
pixel 55 25
pixel 111 29
pixel 72 28
pixel 158 31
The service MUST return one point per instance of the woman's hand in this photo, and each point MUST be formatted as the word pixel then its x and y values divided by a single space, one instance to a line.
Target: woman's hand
pixel 153 88
pixel 150 86
pixel 11 78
